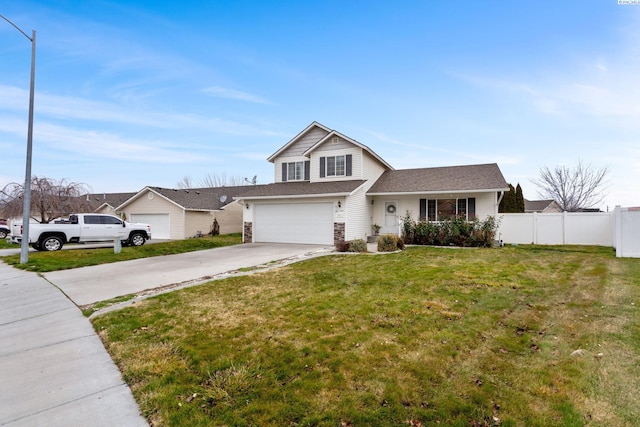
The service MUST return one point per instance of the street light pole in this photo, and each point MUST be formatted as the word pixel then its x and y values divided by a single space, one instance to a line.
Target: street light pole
pixel 26 209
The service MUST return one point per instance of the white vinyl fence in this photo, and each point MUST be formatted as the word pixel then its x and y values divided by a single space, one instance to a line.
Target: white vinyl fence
pixel 627 232
pixel 619 229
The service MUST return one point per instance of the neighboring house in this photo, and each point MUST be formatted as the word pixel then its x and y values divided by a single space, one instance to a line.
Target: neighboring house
pixel 106 203
pixel 541 206
pixel 182 213
pixel 329 187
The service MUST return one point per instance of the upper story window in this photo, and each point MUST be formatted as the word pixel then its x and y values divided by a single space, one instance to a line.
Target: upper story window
pixel 335 165
pixel 295 171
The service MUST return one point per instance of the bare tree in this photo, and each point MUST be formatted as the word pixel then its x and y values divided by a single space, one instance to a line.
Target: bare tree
pixel 573 189
pixel 220 180
pixel 211 180
pixel 50 199
pixel 185 183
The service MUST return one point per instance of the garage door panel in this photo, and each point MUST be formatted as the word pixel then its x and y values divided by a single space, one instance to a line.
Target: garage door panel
pixel 310 223
pixel 160 224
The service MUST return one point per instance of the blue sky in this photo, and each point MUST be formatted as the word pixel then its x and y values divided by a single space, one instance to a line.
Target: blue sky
pixel 139 93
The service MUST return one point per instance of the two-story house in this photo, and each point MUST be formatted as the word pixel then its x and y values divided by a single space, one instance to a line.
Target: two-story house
pixel 329 187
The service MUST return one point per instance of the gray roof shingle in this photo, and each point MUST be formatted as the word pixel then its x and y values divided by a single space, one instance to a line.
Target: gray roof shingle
pixel 441 179
pixel 112 199
pixel 208 198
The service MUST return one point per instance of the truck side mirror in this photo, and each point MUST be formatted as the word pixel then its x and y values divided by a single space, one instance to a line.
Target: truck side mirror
pixel 124 224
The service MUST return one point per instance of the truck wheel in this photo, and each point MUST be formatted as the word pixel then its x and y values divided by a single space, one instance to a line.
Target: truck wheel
pixel 136 239
pixel 51 243
pixel 3 234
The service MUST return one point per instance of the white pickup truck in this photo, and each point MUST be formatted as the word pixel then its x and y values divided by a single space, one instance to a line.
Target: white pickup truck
pixel 85 228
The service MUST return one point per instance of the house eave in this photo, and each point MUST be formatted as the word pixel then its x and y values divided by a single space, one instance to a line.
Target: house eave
pixel 141 192
pixel 295 196
pixel 416 193
pixel 200 210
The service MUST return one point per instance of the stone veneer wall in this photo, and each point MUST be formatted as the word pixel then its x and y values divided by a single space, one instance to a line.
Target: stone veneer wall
pixel 338 232
pixel 248 232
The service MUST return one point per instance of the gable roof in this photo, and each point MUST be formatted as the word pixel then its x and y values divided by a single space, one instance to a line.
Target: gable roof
pixel 450 179
pixel 295 139
pixel 329 135
pixel 300 189
pixel 333 133
pixel 114 200
pixel 203 199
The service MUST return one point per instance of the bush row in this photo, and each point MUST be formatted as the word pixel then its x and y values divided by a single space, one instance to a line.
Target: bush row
pixel 357 245
pixel 457 231
pixel 386 243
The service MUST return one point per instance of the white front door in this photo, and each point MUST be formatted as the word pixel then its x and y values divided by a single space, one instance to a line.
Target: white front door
pixel 390 218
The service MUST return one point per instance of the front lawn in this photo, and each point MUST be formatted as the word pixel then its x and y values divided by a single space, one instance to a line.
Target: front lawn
pixel 527 335
pixel 81 257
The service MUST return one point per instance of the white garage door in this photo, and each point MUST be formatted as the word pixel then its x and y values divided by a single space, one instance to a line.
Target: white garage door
pixel 310 223
pixel 160 224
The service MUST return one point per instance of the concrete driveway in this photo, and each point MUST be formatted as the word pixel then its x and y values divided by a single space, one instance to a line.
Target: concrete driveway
pixel 88 285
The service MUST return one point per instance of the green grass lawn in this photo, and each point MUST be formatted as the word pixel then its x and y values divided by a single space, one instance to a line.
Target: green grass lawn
pixel 81 257
pixel 535 336
pixel 5 245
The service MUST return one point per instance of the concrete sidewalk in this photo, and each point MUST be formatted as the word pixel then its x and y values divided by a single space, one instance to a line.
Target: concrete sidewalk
pixel 54 370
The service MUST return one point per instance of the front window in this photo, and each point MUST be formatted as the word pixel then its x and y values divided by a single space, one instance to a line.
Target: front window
pixel 336 166
pixel 444 209
pixel 295 171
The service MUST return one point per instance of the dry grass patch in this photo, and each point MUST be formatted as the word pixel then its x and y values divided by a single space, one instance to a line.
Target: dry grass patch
pixel 426 336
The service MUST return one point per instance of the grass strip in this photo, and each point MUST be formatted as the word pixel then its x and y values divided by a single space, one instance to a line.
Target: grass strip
pixel 80 257
pixel 527 335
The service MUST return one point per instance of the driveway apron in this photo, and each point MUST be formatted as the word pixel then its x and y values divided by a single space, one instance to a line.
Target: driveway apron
pixel 88 285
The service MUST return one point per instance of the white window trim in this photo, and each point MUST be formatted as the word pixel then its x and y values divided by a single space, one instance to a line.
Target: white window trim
pixel 332 161
pixel 298 166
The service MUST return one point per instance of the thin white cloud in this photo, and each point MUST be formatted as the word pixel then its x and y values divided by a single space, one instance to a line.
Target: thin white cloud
pixel 221 92
pixel 93 144
pixel 75 108
pixel 604 85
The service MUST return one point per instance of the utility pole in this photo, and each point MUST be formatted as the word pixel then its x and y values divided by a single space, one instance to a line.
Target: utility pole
pixel 26 210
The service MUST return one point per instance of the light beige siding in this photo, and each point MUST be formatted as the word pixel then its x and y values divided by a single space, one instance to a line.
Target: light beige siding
pixel 230 218
pixel 157 204
pixel 280 160
pixel 198 222
pixel 305 142
pixel 356 164
pixel 107 210
pixel 358 215
pixel 334 143
pixel 371 169
pixel 359 208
